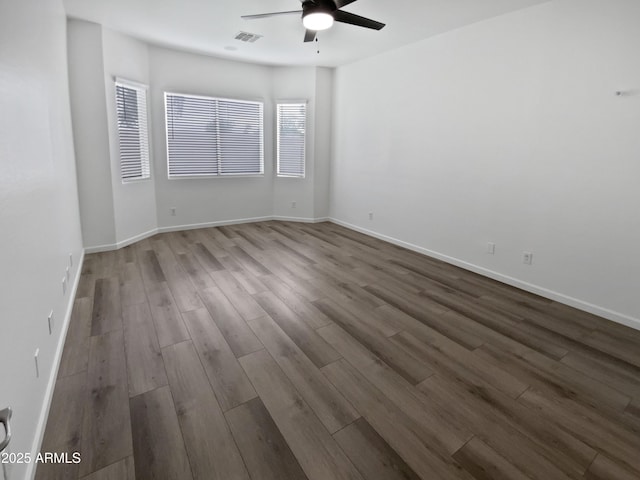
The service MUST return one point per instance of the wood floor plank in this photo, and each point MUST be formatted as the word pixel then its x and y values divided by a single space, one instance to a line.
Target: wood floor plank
pixel 145 367
pixel 167 319
pixel 317 452
pixel 249 282
pixel 150 268
pixel 233 327
pixel 604 468
pixel 567 450
pixel 533 459
pixel 565 327
pixel 107 309
pixel 251 236
pixel 206 257
pixel 75 355
pixel 131 285
pixel 296 283
pixel 633 409
pixel 623 379
pixel 515 385
pixel 198 275
pixel 327 403
pixel 484 463
pixel 501 322
pixel 369 452
pixel 302 307
pixel 184 293
pixel 264 450
pixel 314 347
pixel 237 295
pixel 422 451
pixel 364 312
pixel 448 358
pixel 212 452
pixel 588 425
pixel 54 471
pixel 248 262
pixel 432 316
pixel 624 349
pixel 218 235
pixel 86 286
pixel 411 368
pixel 64 427
pixel 543 372
pixel 106 431
pixel 229 382
pixel 122 470
pixel 426 419
pixel 157 441
pixel 178 242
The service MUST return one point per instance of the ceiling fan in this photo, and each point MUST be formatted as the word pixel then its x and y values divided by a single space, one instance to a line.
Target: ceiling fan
pixel 320 15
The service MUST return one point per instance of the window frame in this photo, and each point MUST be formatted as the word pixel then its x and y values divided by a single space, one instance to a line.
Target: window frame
pixel 304 103
pixel 257 101
pixel 145 161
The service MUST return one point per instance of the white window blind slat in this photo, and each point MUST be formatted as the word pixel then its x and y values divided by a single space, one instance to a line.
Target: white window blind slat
pixel 213 136
pixel 133 131
pixel 291 127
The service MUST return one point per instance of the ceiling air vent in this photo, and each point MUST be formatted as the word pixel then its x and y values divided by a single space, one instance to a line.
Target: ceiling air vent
pixel 247 37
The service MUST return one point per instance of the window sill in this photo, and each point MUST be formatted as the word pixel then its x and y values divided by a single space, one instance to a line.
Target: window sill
pixel 209 177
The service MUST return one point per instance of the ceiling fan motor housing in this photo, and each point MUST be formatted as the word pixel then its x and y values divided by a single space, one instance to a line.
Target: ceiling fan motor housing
pixel 318 6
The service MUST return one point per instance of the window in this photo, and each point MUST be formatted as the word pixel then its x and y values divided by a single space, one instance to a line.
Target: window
pixel 292 119
pixel 133 133
pixel 213 136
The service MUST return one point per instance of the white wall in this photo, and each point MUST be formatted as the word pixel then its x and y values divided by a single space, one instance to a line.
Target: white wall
pixel 134 203
pixel 39 217
pixel 311 194
pixel 213 199
pixel 91 135
pixel 113 213
pixel 506 131
pixel 296 83
pixel 323 141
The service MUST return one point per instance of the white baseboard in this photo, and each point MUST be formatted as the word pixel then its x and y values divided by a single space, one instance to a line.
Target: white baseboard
pixel 136 238
pixel 529 287
pixel 51 382
pixel 299 219
pixel 101 248
pixel 222 223
pixel 193 226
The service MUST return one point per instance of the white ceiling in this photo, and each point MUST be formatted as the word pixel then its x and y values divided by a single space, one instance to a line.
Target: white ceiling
pixel 209 26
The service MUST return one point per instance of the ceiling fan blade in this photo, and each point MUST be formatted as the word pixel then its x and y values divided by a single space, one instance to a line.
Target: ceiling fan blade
pixel 273 14
pixel 310 35
pixel 353 19
pixel 343 3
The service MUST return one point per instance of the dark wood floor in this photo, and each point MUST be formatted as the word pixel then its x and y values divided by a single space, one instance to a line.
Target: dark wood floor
pixel 294 351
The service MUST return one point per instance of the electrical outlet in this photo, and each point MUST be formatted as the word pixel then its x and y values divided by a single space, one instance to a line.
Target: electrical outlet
pixel 491 248
pixel 64 285
pixel 173 211
pixel 527 258
pixel 50 322
pixel 293 204
pixel 35 358
pixel 370 215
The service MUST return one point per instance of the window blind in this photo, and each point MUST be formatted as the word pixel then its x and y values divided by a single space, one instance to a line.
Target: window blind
pixel 209 136
pixel 291 126
pixel 133 131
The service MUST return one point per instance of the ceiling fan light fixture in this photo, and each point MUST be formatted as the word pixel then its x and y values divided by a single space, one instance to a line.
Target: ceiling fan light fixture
pixel 317 21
